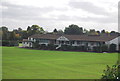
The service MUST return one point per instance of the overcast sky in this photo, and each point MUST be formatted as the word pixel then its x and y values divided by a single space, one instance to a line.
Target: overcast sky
pixel 50 14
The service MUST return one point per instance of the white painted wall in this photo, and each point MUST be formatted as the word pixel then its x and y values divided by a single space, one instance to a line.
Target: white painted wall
pixel 75 43
pixel 114 41
pixel 26 44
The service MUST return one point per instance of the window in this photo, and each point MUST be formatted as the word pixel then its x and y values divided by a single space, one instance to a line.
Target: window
pixel 67 42
pixel 73 42
pixel 92 43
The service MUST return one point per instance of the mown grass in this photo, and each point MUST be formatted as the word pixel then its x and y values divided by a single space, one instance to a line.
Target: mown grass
pixel 20 63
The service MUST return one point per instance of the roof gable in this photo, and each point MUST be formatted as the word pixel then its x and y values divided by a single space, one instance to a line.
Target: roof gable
pixel 63 38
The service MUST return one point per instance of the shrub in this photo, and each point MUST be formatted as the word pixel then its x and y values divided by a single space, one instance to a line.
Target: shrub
pixel 104 48
pixel 64 47
pixel 112 72
pixel 70 48
pixel 36 45
pixel 83 48
pixel 5 43
pixel 43 46
pixel 97 49
pixel 51 47
pixel 9 43
pixel 112 47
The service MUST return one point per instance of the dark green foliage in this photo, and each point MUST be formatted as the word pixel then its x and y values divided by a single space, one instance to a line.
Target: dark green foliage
pixel 64 47
pixel 42 46
pixel 4 32
pixel 51 47
pixel 103 32
pixel 28 29
pixel 24 35
pixel 12 36
pixel 112 47
pixel 84 48
pixel 97 49
pixel 92 32
pixel 5 43
pixel 73 48
pixel 60 32
pixel 9 43
pixel 55 30
pixel 73 30
pixel 36 45
pixel 18 34
pixel 112 72
pixel 104 48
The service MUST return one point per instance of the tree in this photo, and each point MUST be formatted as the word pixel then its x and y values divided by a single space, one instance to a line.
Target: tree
pixel 12 36
pixel 24 34
pixel 19 29
pixel 60 32
pixel 92 32
pixel 28 28
pixel 3 28
pixel 36 29
pixel 4 32
pixel 103 32
pixel 98 32
pixel 73 30
pixel 55 30
pixel 85 31
pixel 113 33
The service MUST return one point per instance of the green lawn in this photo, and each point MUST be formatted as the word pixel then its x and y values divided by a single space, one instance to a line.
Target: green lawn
pixel 20 63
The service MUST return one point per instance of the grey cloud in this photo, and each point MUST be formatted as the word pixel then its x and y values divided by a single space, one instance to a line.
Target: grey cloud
pixel 105 20
pixel 89 7
pixel 22 15
pixel 22 12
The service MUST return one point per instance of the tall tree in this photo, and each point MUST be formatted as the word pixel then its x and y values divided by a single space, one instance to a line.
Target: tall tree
pixel 36 29
pixel 60 32
pixel 4 32
pixel 28 28
pixel 55 30
pixel 92 32
pixel 12 36
pixel 19 29
pixel 73 30
pixel 103 32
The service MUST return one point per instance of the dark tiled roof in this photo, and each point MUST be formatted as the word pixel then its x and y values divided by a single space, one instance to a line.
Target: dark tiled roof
pixel 45 36
pixel 25 40
pixel 76 37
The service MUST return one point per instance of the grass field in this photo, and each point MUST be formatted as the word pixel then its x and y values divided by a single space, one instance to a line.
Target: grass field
pixel 20 63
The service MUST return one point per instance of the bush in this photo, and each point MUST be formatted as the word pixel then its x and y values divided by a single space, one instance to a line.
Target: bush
pixel 84 48
pixel 112 47
pixel 51 47
pixel 97 49
pixel 9 43
pixel 64 47
pixel 73 48
pixel 104 48
pixel 43 46
pixel 112 72
pixel 5 43
pixel 36 45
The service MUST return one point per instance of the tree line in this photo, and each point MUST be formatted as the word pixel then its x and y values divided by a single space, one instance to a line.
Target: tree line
pixel 20 34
